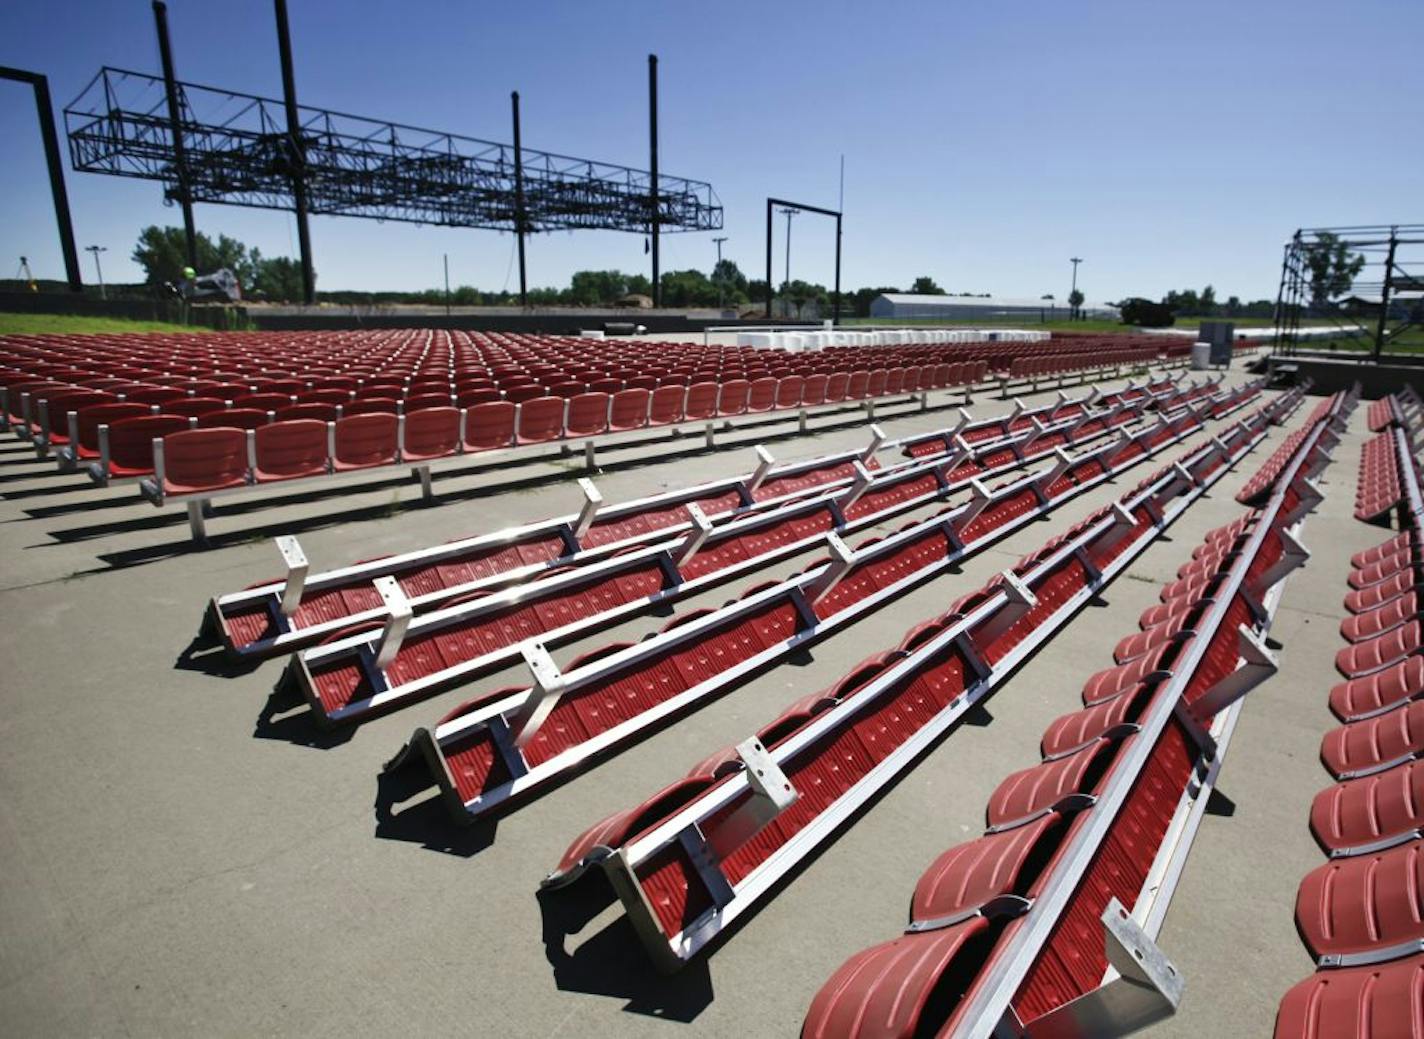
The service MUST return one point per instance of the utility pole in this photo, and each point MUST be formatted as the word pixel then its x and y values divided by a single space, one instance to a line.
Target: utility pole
pixel 446 258
pixel 296 152
pixel 175 131
pixel 1075 260
pixel 654 203
pixel 96 250
pixel 790 211
pixel 717 270
pixel 519 202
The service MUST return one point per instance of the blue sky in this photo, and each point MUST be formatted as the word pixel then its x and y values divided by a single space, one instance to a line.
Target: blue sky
pixel 1169 145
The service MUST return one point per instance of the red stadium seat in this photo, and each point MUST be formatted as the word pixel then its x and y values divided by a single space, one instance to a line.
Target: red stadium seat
pixel 629 409
pixel 588 414
pixel 197 460
pixel 430 433
pixel 289 450
pixel 667 405
pixel 320 412
pixel 489 426
pixel 701 400
pixel 363 441
pixel 541 419
pixel 130 445
pixel 194 407
pixel 237 418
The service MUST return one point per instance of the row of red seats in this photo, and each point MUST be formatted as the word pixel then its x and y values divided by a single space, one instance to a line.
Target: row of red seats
pixel 271 616
pixel 611 695
pixel 459 643
pixel 1379 489
pixel 215 459
pixel 1010 926
pixel 688 869
pixel 1059 363
pixel 1361 914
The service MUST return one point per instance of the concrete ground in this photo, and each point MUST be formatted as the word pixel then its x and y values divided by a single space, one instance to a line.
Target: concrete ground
pixel 183 854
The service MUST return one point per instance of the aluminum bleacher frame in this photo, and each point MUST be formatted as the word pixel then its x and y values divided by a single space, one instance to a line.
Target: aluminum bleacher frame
pixel 1178 486
pixel 281 598
pixel 803 591
pixel 670 557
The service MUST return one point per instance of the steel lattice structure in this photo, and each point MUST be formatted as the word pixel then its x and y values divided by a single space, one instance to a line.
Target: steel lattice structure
pixel 238 152
pixel 1386 298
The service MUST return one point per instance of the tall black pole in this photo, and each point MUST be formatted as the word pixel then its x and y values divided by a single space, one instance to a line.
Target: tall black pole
pixel 653 169
pixel 45 110
pixel 1382 326
pixel 297 158
pixel 519 200
pixel 175 130
pixel 769 294
pixel 836 292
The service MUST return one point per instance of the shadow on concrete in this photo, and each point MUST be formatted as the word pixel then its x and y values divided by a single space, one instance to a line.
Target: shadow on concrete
pixel 287 717
pixel 426 822
pixel 613 962
pixel 209 656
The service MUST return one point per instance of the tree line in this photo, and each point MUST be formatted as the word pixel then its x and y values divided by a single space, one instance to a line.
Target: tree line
pixel 160 252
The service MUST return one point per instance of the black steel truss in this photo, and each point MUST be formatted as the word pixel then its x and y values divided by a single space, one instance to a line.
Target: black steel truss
pixel 1389 289
pixel 237 152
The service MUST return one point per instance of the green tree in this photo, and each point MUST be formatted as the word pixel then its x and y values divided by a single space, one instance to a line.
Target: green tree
pixel 280 278
pixel 689 288
pixel 1075 300
pixel 597 288
pixel 861 298
pixel 1208 301
pixel 1332 267
pixel 732 282
pixel 924 285
pixel 161 252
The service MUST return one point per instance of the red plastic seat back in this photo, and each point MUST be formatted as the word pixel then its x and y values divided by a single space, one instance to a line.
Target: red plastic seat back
pixel 520 392
pixel 431 433
pixel 194 406
pixel 789 390
pixel 879 379
pixel 320 412
pixel 733 398
pixel 489 425
pixel 365 440
pixel 541 419
pixel 470 396
pixel 701 400
pixel 286 450
pixel 235 418
pixel 90 419
pixel 588 413
pixel 198 459
pixel 421 401
pixel 667 405
pixel 630 409
pixel 859 385
pixel 837 387
pixel 368 406
pixel 154 395
pixel 265 401
pixel 131 441
pixel 814 389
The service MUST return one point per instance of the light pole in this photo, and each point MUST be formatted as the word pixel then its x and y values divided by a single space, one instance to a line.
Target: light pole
pixel 717 271
pixel 96 250
pixel 1075 260
pixel 790 211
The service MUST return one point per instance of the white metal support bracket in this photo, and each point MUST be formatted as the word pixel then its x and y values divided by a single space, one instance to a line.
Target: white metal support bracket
pixel 297 568
pixel 1258 664
pixel 1147 988
pixel 592 502
pixel 398 616
pixel 764 463
pixel 771 794
pixel 701 527
pixel 544 692
pixel 858 486
pixel 877 437
pixel 842 559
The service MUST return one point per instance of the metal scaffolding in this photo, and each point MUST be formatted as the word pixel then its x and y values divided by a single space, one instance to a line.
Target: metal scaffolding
pixel 1384 300
pixel 240 149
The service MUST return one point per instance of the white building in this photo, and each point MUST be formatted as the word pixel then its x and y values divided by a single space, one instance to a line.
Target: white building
pixel 894 306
